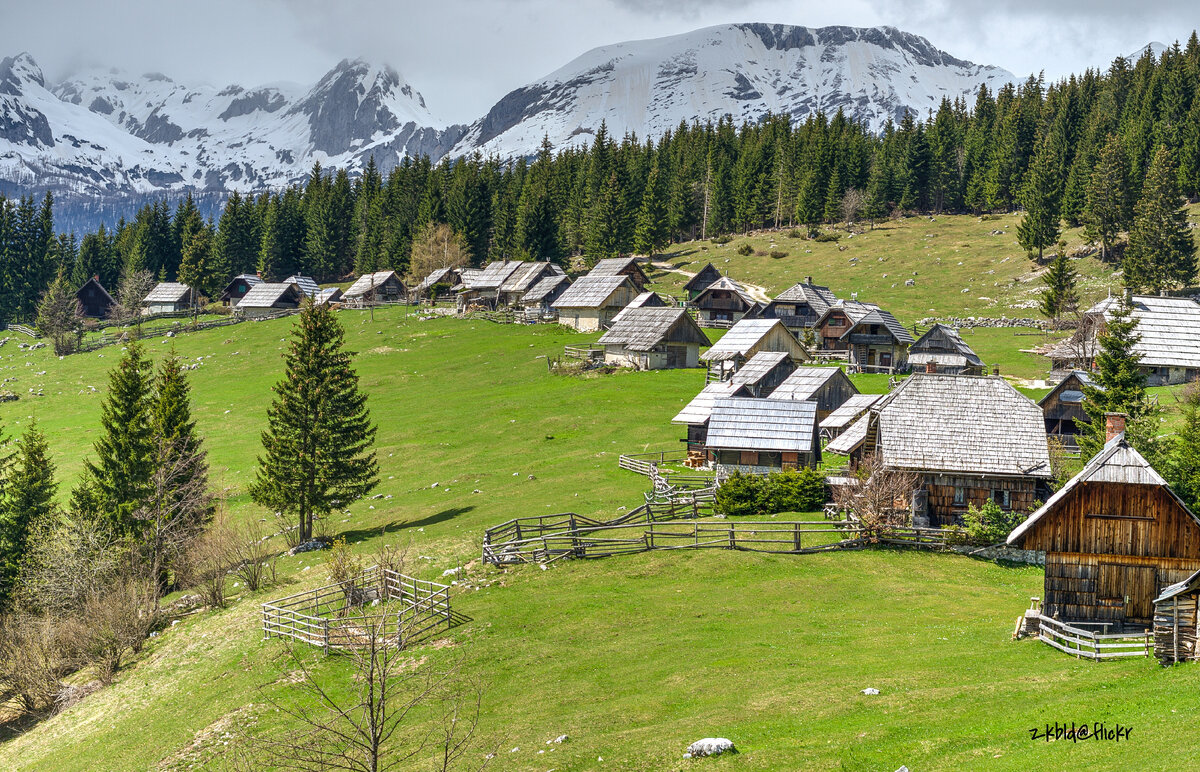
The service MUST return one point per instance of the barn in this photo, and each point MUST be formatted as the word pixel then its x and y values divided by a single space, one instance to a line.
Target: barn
pixel 236 289
pixel 622 266
pixel 269 299
pixel 724 301
pixel 854 408
pixel 94 300
pixel 758 436
pixel 591 302
pixel 695 414
pixel 522 279
pixel 1114 536
pixel 763 372
pixel 827 386
pixel 169 297
pixel 1063 410
pixel 378 287
pixel 438 278
pixel 653 339
pixel 306 284
pixel 747 338
pixel 800 305
pixel 698 283
pixel 942 350
pixel 537 301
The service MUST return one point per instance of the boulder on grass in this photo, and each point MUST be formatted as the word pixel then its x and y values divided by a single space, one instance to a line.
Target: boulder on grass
pixel 709 746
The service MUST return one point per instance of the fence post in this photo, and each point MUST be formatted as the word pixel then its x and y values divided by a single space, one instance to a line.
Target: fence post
pixel 797 539
pixel 326 625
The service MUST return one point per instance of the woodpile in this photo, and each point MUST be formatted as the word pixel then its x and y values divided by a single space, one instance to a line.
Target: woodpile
pixel 1175 629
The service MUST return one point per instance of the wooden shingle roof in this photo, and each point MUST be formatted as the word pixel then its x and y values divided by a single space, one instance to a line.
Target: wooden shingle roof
pixel 700 408
pixel 704 277
pixel 729 285
pixel 614 266
pixel 741 337
pixel 362 286
pixel 168 292
pixel 267 294
pixel 805 382
pixel 641 329
pixel 961 423
pixel 435 276
pixel 1169 328
pixel 818 298
pixel 851 410
pixel 740 423
pixel 306 284
pixel 883 318
pixel 849 441
pixel 590 291
pixel 944 346
pixel 525 275
pixel 538 292
pixel 758 367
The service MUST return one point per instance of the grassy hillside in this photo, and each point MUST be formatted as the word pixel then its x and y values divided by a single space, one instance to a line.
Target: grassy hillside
pixel 633 658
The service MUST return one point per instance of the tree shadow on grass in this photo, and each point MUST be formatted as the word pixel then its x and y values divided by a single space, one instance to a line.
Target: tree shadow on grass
pixel 359 534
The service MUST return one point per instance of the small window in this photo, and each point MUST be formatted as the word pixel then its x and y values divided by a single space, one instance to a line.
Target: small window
pixel 837 321
pixel 1002 498
pixel 960 496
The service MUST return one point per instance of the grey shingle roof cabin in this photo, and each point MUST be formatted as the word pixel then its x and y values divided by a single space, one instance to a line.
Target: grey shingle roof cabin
pixel 591 302
pixel 524 277
pixel 168 298
pixel 622 266
pixel 758 436
pixel 759 376
pixel 306 284
pixel 698 283
pixel 538 298
pixel 653 339
pixel 1062 408
pixel 747 338
pixel 827 386
pixel 874 341
pixel 269 298
pixel 237 288
pixel 800 305
pixel 969 438
pixel 328 295
pixel 854 408
pixel 724 301
pixel 942 350
pixel 94 300
pixel 377 287
pixel 1114 536
pixel 1170 338
pixel 696 413
pixel 449 277
pixel 501 283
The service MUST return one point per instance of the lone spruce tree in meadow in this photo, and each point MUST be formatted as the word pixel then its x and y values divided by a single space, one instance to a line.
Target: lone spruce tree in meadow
pixel 1161 253
pixel 317 449
pixel 1060 296
pixel 120 475
pixel 30 499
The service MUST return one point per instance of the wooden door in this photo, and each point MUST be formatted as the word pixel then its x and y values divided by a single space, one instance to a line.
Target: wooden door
pixel 1129 588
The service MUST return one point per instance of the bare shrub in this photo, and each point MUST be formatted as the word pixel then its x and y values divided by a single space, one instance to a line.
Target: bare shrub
pixel 36 652
pixel 117 622
pixel 345 570
pixel 880 498
pixel 252 558
pixel 210 559
pixel 72 556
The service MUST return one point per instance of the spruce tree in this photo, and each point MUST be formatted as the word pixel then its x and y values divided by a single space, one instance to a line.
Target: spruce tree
pixel 1060 295
pixel 1038 229
pixel 30 500
pixel 198 268
pixel 1161 252
pixel 1107 211
pixel 125 451
pixel 653 231
pixel 605 223
pixel 317 449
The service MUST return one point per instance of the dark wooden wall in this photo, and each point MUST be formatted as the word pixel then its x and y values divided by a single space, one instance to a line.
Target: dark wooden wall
pixel 1094 588
pixel 1023 492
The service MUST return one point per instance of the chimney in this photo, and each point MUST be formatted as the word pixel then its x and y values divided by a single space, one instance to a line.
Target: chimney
pixel 931 367
pixel 995 369
pixel 808 280
pixel 1114 425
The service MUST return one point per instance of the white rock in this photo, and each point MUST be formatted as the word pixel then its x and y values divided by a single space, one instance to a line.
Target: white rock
pixel 870 690
pixel 710 746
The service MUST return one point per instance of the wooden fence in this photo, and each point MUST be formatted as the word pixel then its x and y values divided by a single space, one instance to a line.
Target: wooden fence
pixel 649 465
pixel 1086 644
pixel 24 330
pixel 587 353
pixel 334 617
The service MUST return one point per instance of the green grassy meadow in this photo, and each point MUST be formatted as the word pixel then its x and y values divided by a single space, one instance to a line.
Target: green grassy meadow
pixel 632 657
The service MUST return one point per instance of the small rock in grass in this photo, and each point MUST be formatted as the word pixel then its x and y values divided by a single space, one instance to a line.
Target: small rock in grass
pixel 709 746
pixel 870 690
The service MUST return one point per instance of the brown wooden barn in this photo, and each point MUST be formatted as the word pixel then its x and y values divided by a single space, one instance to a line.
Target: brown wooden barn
pixel 378 287
pixel 747 338
pixel 237 288
pixel 592 302
pixel 800 305
pixel 94 300
pixel 1063 408
pixel 622 266
pixel 1114 537
pixel 874 341
pixel 758 436
pixel 827 386
pixel 942 350
pixel 700 282
pixel 724 301
pixel 763 372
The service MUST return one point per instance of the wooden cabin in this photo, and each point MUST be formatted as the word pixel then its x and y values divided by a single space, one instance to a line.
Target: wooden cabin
pixel 854 408
pixel 622 266
pixel 539 299
pixel 700 282
pixel 328 296
pixel 270 298
pixel 236 289
pixel 695 414
pixel 942 350
pixel 763 372
pixel 1114 537
pixel 800 306
pixel 378 287
pixel 1176 622
pixel 647 300
pixel 1063 410
pixel 94 301
pixel 653 339
pixel 439 281
pixel 747 338
pixel 759 436
pixel 514 286
pixel 874 341
pixel 169 297
pixel 306 284
pixel 968 438
pixel 591 302
pixel 827 386
pixel 724 301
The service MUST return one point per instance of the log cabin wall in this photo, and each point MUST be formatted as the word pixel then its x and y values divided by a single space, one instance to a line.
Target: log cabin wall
pixel 1109 588
pixel 1023 493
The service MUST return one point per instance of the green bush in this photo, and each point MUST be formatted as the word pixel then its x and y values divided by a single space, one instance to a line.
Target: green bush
pixel 990 522
pixel 827 236
pixel 722 239
pixel 778 253
pixel 802 490
pixel 745 250
pixel 794 234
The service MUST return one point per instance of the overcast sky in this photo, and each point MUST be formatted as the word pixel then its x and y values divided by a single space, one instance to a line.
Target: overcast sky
pixel 463 55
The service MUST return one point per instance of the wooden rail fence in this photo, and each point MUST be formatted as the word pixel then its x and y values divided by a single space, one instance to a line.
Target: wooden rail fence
pixel 1086 644
pixel 333 617
pixel 24 330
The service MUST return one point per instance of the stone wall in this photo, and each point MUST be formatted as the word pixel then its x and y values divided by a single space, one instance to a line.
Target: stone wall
pixel 999 552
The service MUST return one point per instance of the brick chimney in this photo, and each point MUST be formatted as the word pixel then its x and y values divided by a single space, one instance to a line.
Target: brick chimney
pixel 1114 424
pixel 931 367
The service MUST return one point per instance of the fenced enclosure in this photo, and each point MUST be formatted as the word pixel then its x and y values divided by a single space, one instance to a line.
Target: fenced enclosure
pixel 340 617
pixel 653 465
pixel 1087 644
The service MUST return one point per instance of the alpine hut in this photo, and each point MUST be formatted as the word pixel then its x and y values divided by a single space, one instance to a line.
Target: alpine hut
pixel 653 339
pixel 377 287
pixel 1114 536
pixel 328 296
pixel 236 289
pixel 94 300
pixel 854 408
pixel 537 301
pixel 169 297
pixel 592 301
pixel 439 278
pixel 747 338
pixel 874 341
pixel 724 301
pixel 757 436
pixel 306 284
pixel 827 386
pixel 700 282
pixel 270 298
pixel 800 305
pixel 1063 410
pixel 696 413
pixel 763 372
pixel 622 266
pixel 523 277
pixel 942 350
pixel 968 438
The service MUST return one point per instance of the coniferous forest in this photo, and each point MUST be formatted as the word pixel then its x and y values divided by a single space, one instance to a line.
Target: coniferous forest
pixel 1111 151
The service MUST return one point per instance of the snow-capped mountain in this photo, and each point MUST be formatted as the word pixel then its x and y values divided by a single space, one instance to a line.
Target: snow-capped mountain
pixel 110 132
pixel 743 70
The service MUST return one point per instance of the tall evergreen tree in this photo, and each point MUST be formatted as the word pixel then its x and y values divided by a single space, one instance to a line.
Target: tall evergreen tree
pixel 1039 228
pixel 1161 252
pixel 198 268
pixel 317 449
pixel 653 229
pixel 30 500
pixel 1107 211
pixel 1059 296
